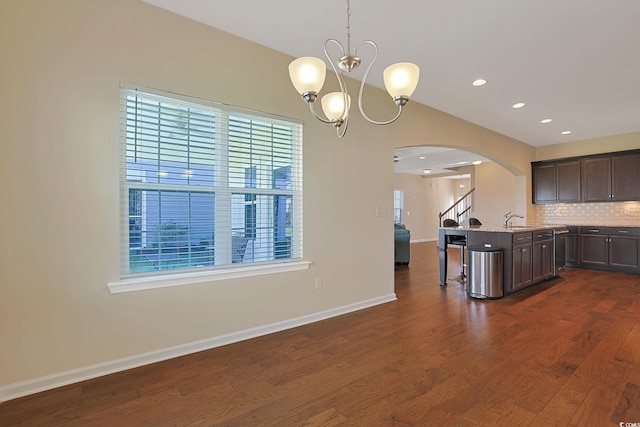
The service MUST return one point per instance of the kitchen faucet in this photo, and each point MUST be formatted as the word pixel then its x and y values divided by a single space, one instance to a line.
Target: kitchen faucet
pixel 508 216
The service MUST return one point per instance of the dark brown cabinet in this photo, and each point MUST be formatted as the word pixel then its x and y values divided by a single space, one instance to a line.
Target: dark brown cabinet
pixel 611 177
pixel 623 251
pixel 557 182
pixel 544 183
pixel 522 273
pixel 625 177
pixel 542 255
pixel 610 248
pixel 593 250
pixel 614 178
pixel 522 254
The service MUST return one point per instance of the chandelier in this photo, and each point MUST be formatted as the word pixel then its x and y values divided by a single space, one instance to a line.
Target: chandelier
pixel 308 73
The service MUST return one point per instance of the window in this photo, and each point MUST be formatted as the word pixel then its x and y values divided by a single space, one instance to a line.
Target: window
pixel 398 206
pixel 206 186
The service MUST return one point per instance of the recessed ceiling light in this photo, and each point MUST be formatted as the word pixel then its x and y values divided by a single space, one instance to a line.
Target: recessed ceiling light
pixel 543 121
pixel 422 157
pixel 477 162
pixel 426 171
pixel 479 82
pixel 565 132
pixel 518 105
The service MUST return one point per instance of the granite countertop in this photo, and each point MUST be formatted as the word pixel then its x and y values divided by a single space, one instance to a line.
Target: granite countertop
pixel 620 224
pixel 533 227
pixel 503 229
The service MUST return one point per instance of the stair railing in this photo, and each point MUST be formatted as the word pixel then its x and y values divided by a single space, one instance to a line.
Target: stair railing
pixel 460 210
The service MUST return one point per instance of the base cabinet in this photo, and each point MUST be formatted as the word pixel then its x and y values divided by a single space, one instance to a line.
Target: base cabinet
pixel 542 260
pixel 623 252
pixel 522 263
pixel 608 248
pixel 593 250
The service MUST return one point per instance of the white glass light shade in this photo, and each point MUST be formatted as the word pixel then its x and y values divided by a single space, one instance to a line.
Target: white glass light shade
pixel 401 79
pixel 333 106
pixel 307 74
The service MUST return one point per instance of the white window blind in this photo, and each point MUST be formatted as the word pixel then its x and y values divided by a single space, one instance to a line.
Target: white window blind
pixel 206 186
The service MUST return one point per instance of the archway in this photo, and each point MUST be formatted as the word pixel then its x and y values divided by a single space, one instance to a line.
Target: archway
pixel 500 185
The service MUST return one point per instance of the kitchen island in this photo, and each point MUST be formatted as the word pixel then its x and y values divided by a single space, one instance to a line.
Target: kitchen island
pixel 529 254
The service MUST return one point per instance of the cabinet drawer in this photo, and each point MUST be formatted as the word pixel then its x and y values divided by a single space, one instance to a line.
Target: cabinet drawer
pixel 542 235
pixel 611 231
pixel 623 231
pixel 519 238
pixel 594 230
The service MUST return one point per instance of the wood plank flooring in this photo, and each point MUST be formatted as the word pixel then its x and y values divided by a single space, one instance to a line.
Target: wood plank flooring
pixel 565 353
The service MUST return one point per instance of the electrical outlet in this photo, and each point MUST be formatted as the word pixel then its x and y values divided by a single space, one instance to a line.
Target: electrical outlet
pixel 318 283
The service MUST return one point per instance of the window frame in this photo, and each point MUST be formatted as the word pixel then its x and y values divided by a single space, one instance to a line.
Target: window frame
pixel 222 190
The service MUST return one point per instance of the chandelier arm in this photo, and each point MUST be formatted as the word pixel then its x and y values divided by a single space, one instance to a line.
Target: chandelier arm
pixel 364 79
pixel 341 82
pixel 342 129
pixel 318 116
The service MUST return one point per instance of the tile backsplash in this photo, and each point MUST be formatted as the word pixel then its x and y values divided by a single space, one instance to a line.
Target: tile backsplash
pixel 614 213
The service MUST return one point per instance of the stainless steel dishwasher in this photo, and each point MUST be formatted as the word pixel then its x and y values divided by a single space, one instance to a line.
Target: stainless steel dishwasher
pixel 559 250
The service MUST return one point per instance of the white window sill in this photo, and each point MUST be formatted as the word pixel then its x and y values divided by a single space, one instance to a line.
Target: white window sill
pixel 168 280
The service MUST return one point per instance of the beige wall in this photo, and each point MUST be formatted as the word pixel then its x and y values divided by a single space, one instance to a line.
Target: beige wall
pixel 495 195
pixel 416 204
pixel 61 65
pixel 627 141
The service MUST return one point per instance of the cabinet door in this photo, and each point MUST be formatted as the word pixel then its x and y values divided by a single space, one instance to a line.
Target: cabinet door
pixel 522 273
pixel 625 177
pixel 596 179
pixel 623 251
pixel 568 182
pixel 542 260
pixel 594 250
pixel 544 183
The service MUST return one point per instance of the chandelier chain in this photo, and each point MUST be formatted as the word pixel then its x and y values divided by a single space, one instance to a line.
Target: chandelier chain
pixel 348 28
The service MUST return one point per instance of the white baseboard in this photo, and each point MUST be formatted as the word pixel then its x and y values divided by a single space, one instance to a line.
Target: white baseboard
pixel 424 240
pixel 49 382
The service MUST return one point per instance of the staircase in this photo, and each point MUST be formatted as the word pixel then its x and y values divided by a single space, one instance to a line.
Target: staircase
pixel 460 210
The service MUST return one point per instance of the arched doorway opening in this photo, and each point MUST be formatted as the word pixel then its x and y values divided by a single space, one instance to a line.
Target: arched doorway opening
pixel 431 178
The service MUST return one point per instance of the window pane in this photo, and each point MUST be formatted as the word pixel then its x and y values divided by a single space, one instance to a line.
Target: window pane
pixel 265 222
pixel 263 147
pixel 176 231
pixel 169 144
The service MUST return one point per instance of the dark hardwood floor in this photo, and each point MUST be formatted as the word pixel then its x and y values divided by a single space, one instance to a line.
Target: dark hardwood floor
pixel 565 353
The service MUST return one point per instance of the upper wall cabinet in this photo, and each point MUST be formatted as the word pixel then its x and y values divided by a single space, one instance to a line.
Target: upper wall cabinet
pixel 556 182
pixel 611 179
pixel 602 178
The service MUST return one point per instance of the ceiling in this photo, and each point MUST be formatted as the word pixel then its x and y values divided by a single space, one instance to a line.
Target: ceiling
pixel 576 62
